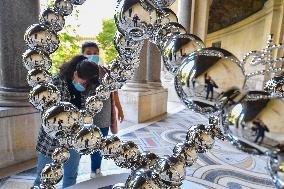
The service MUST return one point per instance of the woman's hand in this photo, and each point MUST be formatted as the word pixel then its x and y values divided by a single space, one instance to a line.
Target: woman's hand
pixel 120 115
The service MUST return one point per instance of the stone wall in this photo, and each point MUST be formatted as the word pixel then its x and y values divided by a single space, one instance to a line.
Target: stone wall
pixel 18 133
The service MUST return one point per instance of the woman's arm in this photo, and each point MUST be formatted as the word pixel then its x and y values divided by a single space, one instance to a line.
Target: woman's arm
pixel 118 106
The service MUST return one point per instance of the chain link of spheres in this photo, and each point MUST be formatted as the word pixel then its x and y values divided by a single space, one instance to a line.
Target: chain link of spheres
pixel 183 54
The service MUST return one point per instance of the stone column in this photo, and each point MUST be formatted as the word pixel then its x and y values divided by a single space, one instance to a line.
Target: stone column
pixel 201 16
pixel 15 17
pixel 140 100
pixel 184 13
pixel 153 65
pixel 139 80
pixel 19 125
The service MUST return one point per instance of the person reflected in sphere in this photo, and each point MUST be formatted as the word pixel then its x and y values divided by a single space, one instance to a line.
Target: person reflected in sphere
pixel 130 12
pixel 135 20
pixel 209 84
pixel 261 128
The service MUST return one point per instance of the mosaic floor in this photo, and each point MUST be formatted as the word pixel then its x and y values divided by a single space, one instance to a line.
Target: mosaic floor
pixel 222 167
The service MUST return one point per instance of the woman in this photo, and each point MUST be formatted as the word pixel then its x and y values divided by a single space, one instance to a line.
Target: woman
pixel 106 118
pixel 76 81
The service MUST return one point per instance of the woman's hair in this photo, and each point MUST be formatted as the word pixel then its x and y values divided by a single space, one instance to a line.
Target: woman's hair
pixel 89 44
pixel 86 70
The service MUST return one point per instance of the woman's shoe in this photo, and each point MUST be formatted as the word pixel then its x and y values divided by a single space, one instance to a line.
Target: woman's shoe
pixel 96 174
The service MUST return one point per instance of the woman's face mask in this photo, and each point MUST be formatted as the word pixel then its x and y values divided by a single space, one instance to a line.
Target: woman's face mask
pixel 93 58
pixel 78 86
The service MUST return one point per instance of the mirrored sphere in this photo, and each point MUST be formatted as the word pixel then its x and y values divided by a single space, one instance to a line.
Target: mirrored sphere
pixel 205 75
pixel 60 155
pixel 88 140
pixel 161 34
pixel 256 122
pixel 275 85
pixel 44 96
pixel 132 19
pixel 38 77
pixel 170 170
pixel 64 7
pixel 127 155
pixel 77 2
pixel 33 59
pixel 148 160
pixel 110 146
pixel 186 152
pixel 102 92
pixel 177 48
pixel 141 178
pixel 51 174
pixel 61 117
pixel 40 38
pixel 160 3
pixel 128 49
pixel 52 20
pixel 94 104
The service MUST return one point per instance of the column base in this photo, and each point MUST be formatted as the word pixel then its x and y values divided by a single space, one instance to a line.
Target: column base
pixel 141 105
pixel 14 99
pixel 18 135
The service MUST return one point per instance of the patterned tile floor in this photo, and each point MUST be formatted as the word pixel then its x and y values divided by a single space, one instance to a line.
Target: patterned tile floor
pixel 222 167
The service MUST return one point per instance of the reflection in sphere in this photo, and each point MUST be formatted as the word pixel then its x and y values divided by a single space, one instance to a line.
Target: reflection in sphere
pixel 177 47
pixel 160 3
pixel 36 60
pixel 38 77
pixel 142 178
pixel 51 174
pixel 170 170
pixel 148 160
pixel 275 85
pixel 52 20
pixel 40 38
pixel 60 155
pixel 61 117
pixel 186 152
pixel 259 120
pixel 205 75
pixel 64 7
pixel 44 96
pixel 77 2
pixel 102 92
pixel 94 104
pixel 132 19
pixel 128 49
pixel 110 146
pixel 127 155
pixel 88 140
pixel 201 136
pixel 167 31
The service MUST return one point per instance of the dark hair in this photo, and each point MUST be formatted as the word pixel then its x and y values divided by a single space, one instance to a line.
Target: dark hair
pixel 89 44
pixel 86 70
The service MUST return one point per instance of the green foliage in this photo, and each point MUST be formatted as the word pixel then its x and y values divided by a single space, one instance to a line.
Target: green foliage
pixel 105 39
pixel 69 45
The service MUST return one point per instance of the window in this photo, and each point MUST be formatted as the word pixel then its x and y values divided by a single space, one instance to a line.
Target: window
pixel 217 44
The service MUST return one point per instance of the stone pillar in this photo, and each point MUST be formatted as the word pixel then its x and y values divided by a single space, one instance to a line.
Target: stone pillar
pixel 19 122
pixel 140 76
pixel 140 100
pixel 201 16
pixel 153 66
pixel 184 13
pixel 15 17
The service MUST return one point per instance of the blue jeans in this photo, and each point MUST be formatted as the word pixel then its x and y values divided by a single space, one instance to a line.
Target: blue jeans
pixel 96 157
pixel 70 168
